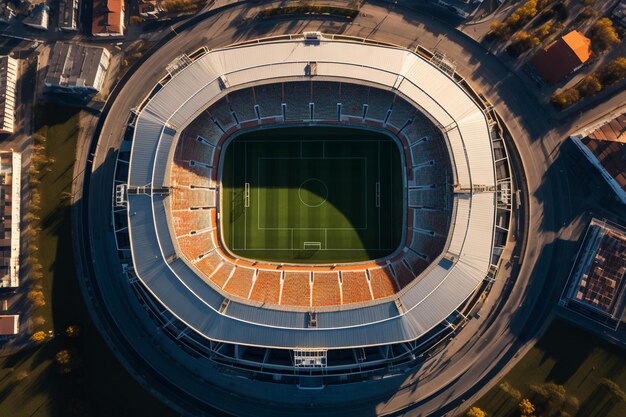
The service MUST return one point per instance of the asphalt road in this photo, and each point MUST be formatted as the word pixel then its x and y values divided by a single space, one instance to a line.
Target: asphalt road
pixel 559 202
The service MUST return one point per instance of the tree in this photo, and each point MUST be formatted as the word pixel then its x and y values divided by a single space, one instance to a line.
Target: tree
pixel 37 298
pixel 565 98
pixel 72 331
pixel 603 34
pixel 475 412
pixel 552 395
pixel 522 42
pixel 589 86
pixel 526 408
pixel 614 71
pixel 38 337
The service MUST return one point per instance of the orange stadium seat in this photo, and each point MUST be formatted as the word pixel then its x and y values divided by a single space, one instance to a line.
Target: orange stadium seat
pixel 186 221
pixel 183 175
pixel 404 275
pixel 221 275
pixel 355 287
pixel 296 289
pixel 382 282
pixel 326 289
pixel 240 282
pixel 208 263
pixel 266 287
pixel 192 246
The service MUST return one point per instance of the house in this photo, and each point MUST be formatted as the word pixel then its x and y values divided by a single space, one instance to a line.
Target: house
pixel 562 57
pixel 39 17
pixel 108 18
pixel 76 69
pixel 10 195
pixel 9 325
pixel 68 15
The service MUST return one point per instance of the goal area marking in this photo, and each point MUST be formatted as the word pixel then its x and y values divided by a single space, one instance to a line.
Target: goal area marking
pixel 312 245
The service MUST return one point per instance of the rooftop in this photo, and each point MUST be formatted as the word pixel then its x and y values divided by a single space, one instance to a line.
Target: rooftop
pixel 562 57
pixel 74 65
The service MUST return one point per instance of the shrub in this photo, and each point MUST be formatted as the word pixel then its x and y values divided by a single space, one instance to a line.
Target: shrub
pixel 475 412
pixel 521 42
pixel 589 86
pixel 565 98
pixel 603 35
pixel 72 331
pixel 38 337
pixel 613 72
pixel 526 408
pixel 37 298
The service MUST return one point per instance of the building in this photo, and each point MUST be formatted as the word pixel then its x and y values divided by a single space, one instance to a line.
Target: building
pixel 619 12
pixel 108 18
pixel 10 187
pixel 8 79
pixel 9 325
pixel 596 284
pixel 68 15
pixel 149 9
pixel 39 17
pixel 562 57
pixel 605 148
pixel 76 69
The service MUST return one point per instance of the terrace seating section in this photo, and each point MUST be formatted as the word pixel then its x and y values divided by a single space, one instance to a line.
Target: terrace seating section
pixel 222 273
pixel 427 149
pixel 183 198
pixel 427 245
pixel 429 174
pixel 204 126
pixel 266 288
pixel 420 127
pixel 192 246
pixel 355 287
pixel 195 149
pixel 242 103
pixel 209 262
pixel 431 220
pixel 417 263
pixel 401 113
pixel 296 289
pixel 404 275
pixel 269 98
pixel 433 197
pixel 379 102
pixel 326 289
pixel 183 175
pixel 240 282
pixel 325 97
pixel 220 112
pixel 382 282
pixel 297 96
pixel 352 97
pixel 191 221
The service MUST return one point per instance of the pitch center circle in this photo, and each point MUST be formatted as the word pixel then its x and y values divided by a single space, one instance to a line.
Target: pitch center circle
pixel 313 192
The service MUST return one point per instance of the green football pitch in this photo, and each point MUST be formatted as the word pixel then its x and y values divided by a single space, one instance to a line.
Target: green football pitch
pixel 311 195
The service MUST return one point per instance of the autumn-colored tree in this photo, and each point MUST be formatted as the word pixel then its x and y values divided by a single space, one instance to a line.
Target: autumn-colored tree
pixel 72 331
pixel 521 42
pixel 565 98
pixel 38 337
pixel 603 34
pixel 526 408
pixel 589 86
pixel 614 71
pixel 37 298
pixel 475 412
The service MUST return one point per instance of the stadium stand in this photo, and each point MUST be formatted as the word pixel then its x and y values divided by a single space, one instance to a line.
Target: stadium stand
pixel 431 197
pixel 404 275
pixel 269 97
pixel 242 102
pixel 417 264
pixel 401 113
pixel 221 274
pixel 427 245
pixel 382 282
pixel 183 175
pixel 352 98
pixel 325 97
pixel 240 282
pixel 205 127
pixel 428 219
pixel 424 151
pixel 185 198
pixel 266 287
pixel 192 246
pixel 195 149
pixel 209 262
pixel 378 102
pixel 221 113
pixel 296 289
pixel 187 221
pixel 297 96
pixel 355 287
pixel 326 289
pixel 428 174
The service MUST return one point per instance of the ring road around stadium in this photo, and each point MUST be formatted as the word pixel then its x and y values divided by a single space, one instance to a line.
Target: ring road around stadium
pixel 311 210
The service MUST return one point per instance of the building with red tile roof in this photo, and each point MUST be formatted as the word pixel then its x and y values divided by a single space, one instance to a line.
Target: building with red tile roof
pixel 108 18
pixel 605 148
pixel 562 57
pixel 9 325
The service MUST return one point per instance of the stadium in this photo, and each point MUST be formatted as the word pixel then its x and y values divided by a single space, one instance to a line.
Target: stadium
pixel 313 211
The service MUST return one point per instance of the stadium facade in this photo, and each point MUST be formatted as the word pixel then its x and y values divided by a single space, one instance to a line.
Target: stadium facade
pixel 416 97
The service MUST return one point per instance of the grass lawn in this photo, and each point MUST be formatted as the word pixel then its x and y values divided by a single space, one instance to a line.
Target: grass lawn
pixel 312 195
pixel 568 356
pixel 31 382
